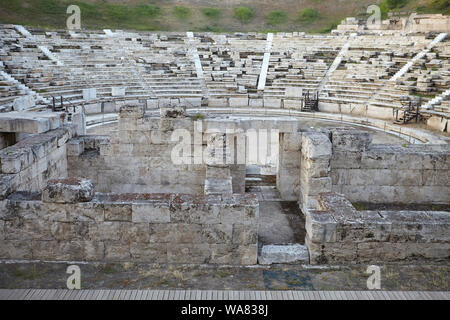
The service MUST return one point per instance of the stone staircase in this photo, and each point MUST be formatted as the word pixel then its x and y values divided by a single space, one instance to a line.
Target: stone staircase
pixel 436 100
pixel 420 55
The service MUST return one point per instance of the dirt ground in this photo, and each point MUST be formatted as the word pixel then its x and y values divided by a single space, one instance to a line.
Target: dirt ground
pixel 280 277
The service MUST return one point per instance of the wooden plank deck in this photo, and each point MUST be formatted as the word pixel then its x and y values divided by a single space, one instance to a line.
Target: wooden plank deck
pixel 61 294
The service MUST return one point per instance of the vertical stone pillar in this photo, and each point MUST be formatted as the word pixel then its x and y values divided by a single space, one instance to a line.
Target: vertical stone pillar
pixel 315 168
pixel 79 119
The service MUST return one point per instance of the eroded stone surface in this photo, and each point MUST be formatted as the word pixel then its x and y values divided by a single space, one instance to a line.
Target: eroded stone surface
pixel 71 190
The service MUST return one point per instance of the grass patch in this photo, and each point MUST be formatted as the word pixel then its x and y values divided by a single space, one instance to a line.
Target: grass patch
pixel 221 274
pixel 108 269
pixel 182 12
pixel 276 17
pixel 243 14
pixel 360 206
pixel 328 29
pixel 26 274
pixel 198 116
pixel 211 13
pixel 422 95
pixel 308 15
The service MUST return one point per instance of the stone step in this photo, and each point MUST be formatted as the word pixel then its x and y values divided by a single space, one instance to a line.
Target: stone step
pixel 291 253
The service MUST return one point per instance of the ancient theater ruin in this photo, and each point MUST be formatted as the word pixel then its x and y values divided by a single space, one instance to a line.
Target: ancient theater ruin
pixel 323 149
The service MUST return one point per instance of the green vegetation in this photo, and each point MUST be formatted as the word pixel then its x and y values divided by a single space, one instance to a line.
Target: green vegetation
pixel 212 13
pixel 330 27
pixel 27 274
pixel 108 269
pixel 243 14
pixel 181 12
pixel 442 6
pixel 276 17
pixel 308 15
pixel 360 206
pixel 321 15
pixel 198 116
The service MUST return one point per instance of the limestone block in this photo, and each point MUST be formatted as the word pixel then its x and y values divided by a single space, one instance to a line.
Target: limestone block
pixel 347 160
pixel 350 140
pixel 216 233
pixel 71 190
pixel 257 103
pixel 131 112
pixel 58 250
pixel 292 104
pixel 292 141
pixel 293 92
pixel 89 94
pixel 238 101
pixel 175 233
pixel 148 252
pixel 418 226
pixel 229 254
pixel 316 168
pixel 16 249
pixel 218 102
pixel 118 212
pixel 245 234
pixel 93 108
pixel 290 159
pixel 375 159
pixel 295 253
pixel 315 186
pixel 75 147
pixel 272 103
pixel 152 104
pixel 23 103
pixel 116 251
pixel 316 145
pixel 173 112
pixel 188 253
pixel 27 230
pixel 13 160
pixel 29 122
pixel 320 226
pixel 194 102
pixel 118 91
pixel 150 213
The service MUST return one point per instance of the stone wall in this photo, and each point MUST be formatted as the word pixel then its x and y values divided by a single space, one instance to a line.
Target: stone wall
pixel 338 233
pixel 388 173
pixel 30 163
pixel 69 223
pixel 137 158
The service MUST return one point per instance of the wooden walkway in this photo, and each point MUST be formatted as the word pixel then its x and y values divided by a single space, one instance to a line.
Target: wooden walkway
pixel 61 294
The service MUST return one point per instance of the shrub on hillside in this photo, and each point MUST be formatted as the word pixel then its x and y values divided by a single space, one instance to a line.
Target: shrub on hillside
pixel 181 12
pixel 308 15
pixel 212 13
pixel 243 14
pixel 276 17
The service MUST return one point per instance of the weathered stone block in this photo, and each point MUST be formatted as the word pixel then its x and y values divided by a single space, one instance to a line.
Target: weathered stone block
pixel 71 190
pixel 131 112
pixel 118 212
pixel 151 213
pixel 320 226
pixel 351 140
pixel 316 145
